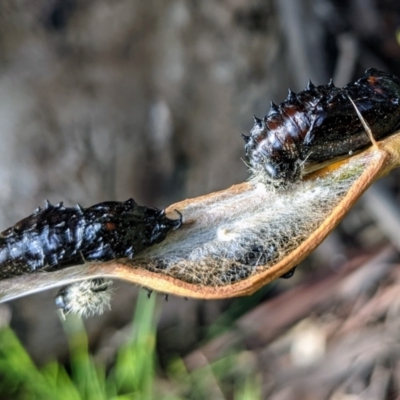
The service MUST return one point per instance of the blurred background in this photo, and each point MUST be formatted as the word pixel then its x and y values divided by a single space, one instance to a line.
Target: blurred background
pixel 112 99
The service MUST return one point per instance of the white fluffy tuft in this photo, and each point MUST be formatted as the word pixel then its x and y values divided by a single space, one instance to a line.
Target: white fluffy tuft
pixel 85 298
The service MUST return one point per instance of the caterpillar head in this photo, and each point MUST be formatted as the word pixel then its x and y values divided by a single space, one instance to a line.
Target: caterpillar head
pixel 267 159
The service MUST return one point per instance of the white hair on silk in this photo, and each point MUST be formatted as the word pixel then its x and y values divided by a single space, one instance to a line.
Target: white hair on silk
pixel 229 239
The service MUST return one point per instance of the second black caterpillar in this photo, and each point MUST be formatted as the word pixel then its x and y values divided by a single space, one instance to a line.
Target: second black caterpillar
pixel 57 237
pixel 319 124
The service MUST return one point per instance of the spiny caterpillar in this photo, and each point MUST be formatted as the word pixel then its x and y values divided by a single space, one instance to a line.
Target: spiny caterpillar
pixel 320 124
pixel 57 237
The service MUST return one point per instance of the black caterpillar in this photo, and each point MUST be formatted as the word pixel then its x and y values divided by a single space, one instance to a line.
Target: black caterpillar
pixel 57 237
pixel 319 124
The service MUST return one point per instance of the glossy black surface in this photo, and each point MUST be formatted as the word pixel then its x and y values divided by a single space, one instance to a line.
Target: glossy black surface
pixel 56 237
pixel 320 123
pixel 288 274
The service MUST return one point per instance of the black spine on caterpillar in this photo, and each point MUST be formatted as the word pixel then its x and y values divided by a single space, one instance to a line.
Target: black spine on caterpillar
pixel 57 237
pixel 319 124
